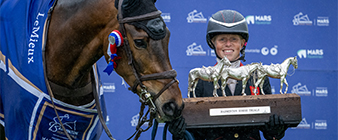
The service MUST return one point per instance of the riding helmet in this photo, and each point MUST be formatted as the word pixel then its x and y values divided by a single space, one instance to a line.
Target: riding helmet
pixel 227 22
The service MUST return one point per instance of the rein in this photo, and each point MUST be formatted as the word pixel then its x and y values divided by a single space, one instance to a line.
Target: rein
pixel 145 97
pixel 50 11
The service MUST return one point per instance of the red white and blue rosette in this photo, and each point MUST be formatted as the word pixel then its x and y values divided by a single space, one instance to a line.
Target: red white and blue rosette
pixel 115 40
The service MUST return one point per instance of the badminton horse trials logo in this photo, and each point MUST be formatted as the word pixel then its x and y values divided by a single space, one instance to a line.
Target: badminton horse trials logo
pixel 300 89
pixel 301 19
pixel 196 17
pixel 193 49
pixel 303 124
pixel 70 126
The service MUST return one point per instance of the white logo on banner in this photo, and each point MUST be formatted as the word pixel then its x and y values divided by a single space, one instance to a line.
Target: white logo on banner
pixel 258 19
pixel 303 124
pixel 212 52
pixel 250 19
pixel 272 51
pixel 194 16
pixel 299 89
pixel 166 17
pixel 323 21
pixel 320 124
pixel 108 87
pixel 193 49
pixel 321 91
pixel 301 19
pixel 310 53
pixel 252 51
pixel 301 53
pixel 134 120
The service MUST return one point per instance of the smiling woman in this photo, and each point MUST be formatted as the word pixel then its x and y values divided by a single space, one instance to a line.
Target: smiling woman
pixel 228 45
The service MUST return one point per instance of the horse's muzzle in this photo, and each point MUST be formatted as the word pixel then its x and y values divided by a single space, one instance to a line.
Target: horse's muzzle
pixel 172 110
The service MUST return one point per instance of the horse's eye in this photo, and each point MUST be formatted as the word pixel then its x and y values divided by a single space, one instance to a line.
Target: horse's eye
pixel 140 43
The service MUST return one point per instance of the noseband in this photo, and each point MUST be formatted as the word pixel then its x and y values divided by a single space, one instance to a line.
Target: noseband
pixel 145 97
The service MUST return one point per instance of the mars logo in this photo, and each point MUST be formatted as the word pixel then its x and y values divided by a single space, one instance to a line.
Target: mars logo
pixel 194 17
pixel 193 49
pixel 258 19
pixel 323 21
pixel 302 53
pixel 108 87
pixel 320 124
pixel 310 53
pixel 321 91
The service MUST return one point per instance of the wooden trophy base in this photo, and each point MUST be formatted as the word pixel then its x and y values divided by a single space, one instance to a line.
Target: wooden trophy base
pixel 231 111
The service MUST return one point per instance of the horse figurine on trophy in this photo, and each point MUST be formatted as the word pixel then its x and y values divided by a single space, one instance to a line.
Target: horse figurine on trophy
pixel 206 74
pixel 278 71
pixel 242 73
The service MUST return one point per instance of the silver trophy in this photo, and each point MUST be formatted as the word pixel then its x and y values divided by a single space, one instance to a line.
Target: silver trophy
pixel 241 73
pixel 278 71
pixel 207 74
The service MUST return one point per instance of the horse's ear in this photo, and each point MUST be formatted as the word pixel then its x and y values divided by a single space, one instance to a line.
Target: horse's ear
pixel 128 5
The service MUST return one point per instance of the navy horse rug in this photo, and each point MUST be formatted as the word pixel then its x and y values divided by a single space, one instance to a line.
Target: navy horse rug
pixel 26 110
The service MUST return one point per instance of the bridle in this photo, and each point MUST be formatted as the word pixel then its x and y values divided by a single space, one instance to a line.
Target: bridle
pixel 145 97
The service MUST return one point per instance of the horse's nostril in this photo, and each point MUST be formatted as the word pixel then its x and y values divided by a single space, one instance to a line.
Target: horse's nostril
pixel 169 108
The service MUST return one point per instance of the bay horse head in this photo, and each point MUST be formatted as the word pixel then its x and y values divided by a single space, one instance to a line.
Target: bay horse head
pixel 144 62
pixel 78 37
